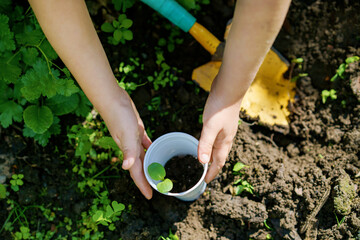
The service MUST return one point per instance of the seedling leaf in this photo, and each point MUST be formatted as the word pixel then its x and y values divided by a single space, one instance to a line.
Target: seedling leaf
pixel 165 186
pixel 117 35
pixel 127 23
pixel 128 35
pixel 109 211
pixel 238 166
pixel 352 59
pixel 98 216
pixel 156 171
pixel 107 27
pixel 118 207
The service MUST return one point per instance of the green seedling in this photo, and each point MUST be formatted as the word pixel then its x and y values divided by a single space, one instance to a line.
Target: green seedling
pixel 157 172
pixel 339 222
pixel 16 181
pixel 109 215
pixel 325 94
pixel 170 237
pixel 340 72
pixel 23 234
pixel 119 29
pixel 122 5
pixel 241 184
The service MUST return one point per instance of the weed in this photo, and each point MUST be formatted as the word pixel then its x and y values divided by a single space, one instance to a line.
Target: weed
pixel 23 234
pixel 241 184
pixel 325 94
pixel 109 214
pixel 16 181
pixel 193 4
pixel 122 5
pixel 341 221
pixel 37 90
pixel 157 172
pixel 340 72
pixel 119 29
pixel 165 76
pixel 170 237
pixel 172 39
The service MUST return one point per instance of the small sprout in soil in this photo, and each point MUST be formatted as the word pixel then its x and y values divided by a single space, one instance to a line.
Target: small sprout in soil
pixel 341 221
pixel 170 237
pixel 241 184
pixel 341 70
pixel 158 173
pixel 269 237
pixel 16 181
pixel 267 226
pixel 23 234
pixel 109 215
pixel 325 94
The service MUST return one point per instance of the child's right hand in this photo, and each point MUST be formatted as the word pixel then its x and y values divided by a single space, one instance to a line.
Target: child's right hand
pixel 127 129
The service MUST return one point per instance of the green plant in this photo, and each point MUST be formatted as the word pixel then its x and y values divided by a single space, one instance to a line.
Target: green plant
pixel 172 39
pixel 241 184
pixel 129 75
pixel 341 69
pixel 193 4
pixel 325 94
pixel 109 214
pixel 36 90
pixel 119 29
pixel 170 237
pixel 16 181
pixel 341 221
pixel 122 5
pixel 158 173
pixel 166 75
pixel 23 234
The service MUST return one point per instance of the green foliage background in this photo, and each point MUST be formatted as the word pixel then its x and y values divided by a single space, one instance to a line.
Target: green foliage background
pixel 35 89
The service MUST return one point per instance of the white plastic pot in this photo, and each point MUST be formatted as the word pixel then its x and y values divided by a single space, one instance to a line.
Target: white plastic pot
pixel 168 146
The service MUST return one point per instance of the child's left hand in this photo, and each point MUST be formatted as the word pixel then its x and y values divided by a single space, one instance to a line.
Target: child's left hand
pixel 220 123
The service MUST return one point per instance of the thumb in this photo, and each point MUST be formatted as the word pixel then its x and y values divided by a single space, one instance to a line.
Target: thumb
pixel 131 152
pixel 206 143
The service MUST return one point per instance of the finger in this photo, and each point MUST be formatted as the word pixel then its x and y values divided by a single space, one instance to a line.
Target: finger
pixel 137 174
pixel 131 150
pixel 146 141
pixel 219 156
pixel 206 143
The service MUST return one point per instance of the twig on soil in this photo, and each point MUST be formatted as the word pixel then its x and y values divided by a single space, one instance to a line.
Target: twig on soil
pixel 270 140
pixel 311 217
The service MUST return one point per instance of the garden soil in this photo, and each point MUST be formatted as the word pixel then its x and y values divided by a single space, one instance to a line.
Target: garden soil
pixel 305 177
pixel 184 171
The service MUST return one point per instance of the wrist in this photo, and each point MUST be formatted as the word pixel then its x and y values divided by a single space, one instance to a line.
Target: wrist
pixel 226 92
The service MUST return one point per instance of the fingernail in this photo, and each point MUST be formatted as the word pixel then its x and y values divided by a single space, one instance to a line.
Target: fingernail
pixel 204 158
pixel 125 164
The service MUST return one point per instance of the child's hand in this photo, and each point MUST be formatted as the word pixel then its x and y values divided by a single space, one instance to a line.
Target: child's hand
pixel 220 123
pixel 127 129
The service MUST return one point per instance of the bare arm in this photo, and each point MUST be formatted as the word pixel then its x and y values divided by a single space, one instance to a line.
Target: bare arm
pixel 255 26
pixel 68 26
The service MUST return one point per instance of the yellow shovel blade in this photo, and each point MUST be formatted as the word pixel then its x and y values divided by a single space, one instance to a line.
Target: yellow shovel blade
pixel 269 94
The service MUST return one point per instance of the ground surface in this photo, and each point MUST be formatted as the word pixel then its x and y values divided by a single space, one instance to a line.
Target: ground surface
pixel 298 175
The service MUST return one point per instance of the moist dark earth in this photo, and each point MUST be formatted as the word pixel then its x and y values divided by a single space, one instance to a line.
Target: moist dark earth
pixel 184 171
pixel 303 177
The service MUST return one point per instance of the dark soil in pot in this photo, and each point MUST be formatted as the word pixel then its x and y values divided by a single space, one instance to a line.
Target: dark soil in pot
pixel 184 171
